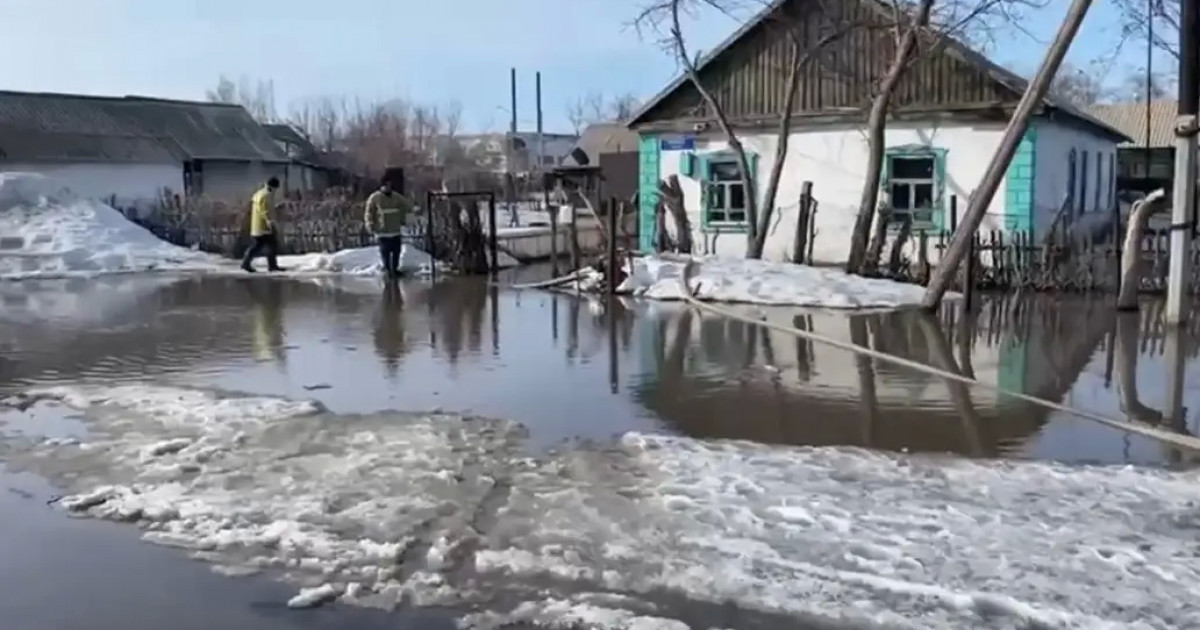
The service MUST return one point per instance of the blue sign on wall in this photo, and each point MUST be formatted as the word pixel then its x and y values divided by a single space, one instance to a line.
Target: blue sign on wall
pixel 677 143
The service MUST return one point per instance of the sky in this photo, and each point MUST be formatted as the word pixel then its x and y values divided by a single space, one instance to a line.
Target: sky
pixel 432 52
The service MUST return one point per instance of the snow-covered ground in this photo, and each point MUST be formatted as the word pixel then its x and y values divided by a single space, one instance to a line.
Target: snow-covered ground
pixel 653 532
pixel 46 231
pixel 767 283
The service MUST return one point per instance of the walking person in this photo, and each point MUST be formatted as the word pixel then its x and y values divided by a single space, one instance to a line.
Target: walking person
pixel 262 228
pixel 386 214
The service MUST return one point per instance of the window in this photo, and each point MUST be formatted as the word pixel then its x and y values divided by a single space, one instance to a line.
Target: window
pixel 1112 181
pixel 1071 178
pixel 913 186
pixel 1083 182
pixel 548 160
pixel 725 194
pixel 1099 178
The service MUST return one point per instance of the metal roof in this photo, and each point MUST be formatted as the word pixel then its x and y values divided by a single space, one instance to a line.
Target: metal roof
pixel 1130 119
pixel 37 127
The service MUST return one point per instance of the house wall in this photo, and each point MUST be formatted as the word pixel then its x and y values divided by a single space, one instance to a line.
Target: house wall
pixel 834 159
pixel 236 180
pixel 131 184
pixel 1067 159
pixel 298 177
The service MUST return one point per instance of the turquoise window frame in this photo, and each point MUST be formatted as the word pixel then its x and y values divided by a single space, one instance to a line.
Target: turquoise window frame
pixel 938 219
pixel 703 169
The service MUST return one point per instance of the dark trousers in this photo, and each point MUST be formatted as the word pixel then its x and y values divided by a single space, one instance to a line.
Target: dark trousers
pixel 389 253
pixel 265 244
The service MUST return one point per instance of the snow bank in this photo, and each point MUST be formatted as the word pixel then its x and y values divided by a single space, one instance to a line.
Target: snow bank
pixel 46 231
pixel 360 261
pixel 768 283
pixel 365 261
pixel 660 532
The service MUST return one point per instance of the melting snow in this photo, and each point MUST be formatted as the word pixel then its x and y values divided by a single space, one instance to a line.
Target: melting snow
pixel 365 261
pixel 661 533
pixel 46 231
pixel 768 283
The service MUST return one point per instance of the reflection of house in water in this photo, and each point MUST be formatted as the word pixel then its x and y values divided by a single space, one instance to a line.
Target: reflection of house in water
pixel 724 379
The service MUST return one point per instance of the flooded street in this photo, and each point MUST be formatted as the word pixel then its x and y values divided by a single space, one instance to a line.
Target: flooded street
pixel 566 370
pixel 570 373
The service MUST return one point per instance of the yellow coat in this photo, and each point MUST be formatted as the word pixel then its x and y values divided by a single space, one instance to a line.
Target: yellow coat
pixel 261 205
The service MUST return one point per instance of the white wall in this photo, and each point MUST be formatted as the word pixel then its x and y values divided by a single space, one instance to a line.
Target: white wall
pixel 237 180
pixel 835 160
pixel 132 184
pixel 1054 144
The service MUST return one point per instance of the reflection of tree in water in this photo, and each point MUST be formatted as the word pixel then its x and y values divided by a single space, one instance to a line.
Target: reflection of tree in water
pixel 389 336
pixel 266 299
pixel 459 307
pixel 873 404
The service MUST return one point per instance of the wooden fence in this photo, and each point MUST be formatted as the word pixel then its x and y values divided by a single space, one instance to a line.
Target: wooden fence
pixel 1016 260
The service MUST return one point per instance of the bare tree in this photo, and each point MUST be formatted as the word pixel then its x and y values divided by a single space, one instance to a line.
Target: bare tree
pixel 797 25
pixel 1136 18
pixel 918 32
pixel 1078 87
pixel 595 107
pixel 257 96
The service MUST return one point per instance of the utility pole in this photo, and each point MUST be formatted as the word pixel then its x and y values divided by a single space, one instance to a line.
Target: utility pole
pixel 1183 202
pixel 541 146
pixel 512 152
pixel 982 197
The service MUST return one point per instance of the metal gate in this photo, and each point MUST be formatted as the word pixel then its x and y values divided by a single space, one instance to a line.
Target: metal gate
pixel 455 232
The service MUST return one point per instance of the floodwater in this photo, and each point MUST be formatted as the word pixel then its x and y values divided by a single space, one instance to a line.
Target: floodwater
pixel 569 368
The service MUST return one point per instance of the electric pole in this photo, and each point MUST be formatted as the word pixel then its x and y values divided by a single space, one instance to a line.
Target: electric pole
pixel 1183 202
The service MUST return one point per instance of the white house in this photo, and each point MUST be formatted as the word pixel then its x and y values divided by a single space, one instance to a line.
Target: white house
pixel 134 149
pixel 490 150
pixel 948 117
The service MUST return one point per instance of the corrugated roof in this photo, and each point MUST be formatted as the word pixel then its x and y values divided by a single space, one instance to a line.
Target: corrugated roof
pixel 606 138
pixel 42 127
pixel 1130 119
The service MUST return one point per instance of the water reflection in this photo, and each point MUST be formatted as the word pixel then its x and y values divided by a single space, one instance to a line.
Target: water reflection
pixel 716 379
pixel 390 343
pixel 266 301
pixel 570 367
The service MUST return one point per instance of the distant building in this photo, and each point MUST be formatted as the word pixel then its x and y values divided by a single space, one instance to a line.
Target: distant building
pixel 134 149
pixel 1145 162
pixel 490 153
pixel 308 168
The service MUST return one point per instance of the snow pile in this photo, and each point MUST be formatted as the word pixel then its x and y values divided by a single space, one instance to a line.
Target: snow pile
pixel 360 261
pixel 659 532
pixel 364 261
pixel 46 231
pixel 769 283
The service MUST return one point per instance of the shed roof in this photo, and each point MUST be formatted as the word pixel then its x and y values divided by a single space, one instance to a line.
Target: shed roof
pixel 1130 119
pixel 37 127
pixel 1009 80
pixel 610 137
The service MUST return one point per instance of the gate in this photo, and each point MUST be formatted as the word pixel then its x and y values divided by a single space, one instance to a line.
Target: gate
pixel 455 232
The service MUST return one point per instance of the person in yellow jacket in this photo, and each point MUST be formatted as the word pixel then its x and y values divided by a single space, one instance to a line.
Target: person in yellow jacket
pixel 386 215
pixel 262 227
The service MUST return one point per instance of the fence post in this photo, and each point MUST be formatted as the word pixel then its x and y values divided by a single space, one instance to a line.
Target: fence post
pixel 492 232
pixel 611 206
pixel 553 228
pixel 429 245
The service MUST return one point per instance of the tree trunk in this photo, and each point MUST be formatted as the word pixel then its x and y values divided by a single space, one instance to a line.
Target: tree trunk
pixel 759 242
pixel 876 127
pixel 1139 216
pixel 878 239
pixel 1031 100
